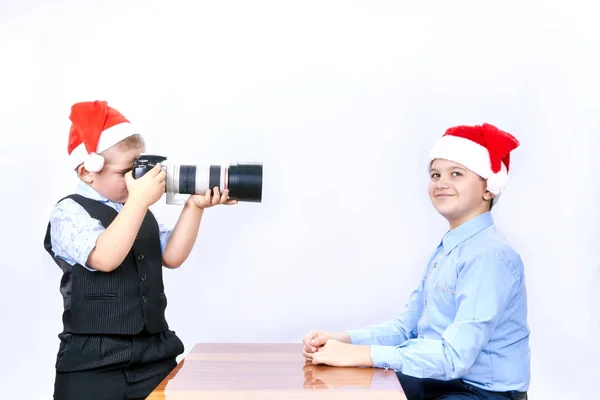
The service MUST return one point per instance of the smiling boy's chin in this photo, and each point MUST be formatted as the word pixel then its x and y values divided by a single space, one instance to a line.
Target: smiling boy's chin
pixel 445 205
pixel 443 208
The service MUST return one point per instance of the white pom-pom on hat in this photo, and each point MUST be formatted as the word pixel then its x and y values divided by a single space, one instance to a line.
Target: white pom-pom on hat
pixel 496 183
pixel 94 162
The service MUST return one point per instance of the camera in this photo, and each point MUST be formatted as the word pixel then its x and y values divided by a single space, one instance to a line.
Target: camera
pixel 244 180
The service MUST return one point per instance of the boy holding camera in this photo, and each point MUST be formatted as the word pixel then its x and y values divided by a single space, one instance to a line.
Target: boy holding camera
pixel 116 342
pixel 464 331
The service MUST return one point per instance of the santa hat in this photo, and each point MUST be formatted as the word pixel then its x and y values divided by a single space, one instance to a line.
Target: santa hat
pixel 483 149
pixel 95 128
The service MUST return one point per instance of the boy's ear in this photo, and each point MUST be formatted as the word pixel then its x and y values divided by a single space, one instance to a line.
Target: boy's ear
pixel 84 174
pixel 488 195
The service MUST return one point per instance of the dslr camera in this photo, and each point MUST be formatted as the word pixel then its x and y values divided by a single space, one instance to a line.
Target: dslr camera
pixel 244 180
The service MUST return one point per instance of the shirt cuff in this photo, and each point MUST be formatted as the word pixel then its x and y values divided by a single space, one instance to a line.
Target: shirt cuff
pixel 360 336
pixel 165 235
pixel 387 357
pixel 88 243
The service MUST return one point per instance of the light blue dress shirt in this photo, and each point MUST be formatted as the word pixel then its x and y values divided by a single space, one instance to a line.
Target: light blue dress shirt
pixel 74 233
pixel 466 320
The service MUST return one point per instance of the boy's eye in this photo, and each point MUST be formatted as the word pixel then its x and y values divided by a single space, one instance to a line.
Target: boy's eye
pixel 435 175
pixel 456 173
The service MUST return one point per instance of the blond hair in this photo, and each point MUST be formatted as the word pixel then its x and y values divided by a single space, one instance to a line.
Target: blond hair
pixel 129 143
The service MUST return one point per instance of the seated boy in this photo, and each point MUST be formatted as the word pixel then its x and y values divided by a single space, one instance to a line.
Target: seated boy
pixel 464 331
pixel 115 343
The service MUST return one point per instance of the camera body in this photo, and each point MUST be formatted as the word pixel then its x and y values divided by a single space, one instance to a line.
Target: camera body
pixel 244 180
pixel 145 163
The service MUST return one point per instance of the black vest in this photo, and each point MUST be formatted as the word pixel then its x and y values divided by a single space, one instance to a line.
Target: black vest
pixel 127 300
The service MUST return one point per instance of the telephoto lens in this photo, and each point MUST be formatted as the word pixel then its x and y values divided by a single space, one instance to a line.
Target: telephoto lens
pixel 244 180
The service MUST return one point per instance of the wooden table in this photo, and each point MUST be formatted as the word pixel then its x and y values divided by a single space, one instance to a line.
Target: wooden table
pixel 270 371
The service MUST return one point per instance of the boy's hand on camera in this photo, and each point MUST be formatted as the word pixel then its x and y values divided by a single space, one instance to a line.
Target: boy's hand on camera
pixel 206 200
pixel 148 189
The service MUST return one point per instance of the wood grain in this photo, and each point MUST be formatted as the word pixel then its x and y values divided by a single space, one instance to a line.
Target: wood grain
pixel 270 371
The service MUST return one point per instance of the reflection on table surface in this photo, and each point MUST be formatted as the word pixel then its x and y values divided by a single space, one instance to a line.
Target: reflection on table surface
pixel 270 371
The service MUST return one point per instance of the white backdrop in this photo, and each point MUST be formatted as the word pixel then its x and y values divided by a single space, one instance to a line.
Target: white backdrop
pixel 341 101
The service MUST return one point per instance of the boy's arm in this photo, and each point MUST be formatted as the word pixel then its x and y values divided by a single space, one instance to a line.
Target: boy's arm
pixel 77 237
pixel 392 333
pixel 115 242
pixel 398 331
pixel 73 232
pixel 182 239
pixel 483 290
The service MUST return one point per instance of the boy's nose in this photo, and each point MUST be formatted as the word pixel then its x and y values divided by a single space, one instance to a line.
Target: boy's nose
pixel 442 183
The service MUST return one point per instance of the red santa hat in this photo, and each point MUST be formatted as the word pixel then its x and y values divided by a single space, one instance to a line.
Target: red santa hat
pixel 95 128
pixel 483 149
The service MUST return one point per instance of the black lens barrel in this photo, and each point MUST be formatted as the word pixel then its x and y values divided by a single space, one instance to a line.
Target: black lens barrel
pixel 245 182
pixel 187 179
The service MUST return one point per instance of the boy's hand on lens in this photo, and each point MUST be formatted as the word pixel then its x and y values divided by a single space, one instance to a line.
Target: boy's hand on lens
pixel 147 189
pixel 206 200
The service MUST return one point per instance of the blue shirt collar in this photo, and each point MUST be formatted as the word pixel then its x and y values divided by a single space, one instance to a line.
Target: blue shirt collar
pixel 87 191
pixel 463 232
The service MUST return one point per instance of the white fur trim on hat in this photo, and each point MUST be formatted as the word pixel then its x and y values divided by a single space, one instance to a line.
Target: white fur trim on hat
pixel 472 156
pixel 78 156
pixel 108 138
pixel 114 135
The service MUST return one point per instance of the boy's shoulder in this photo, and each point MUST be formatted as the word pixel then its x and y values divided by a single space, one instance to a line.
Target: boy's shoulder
pixel 492 240
pixel 497 242
pixel 492 244
pixel 68 200
pixel 478 237
pixel 72 210
pixel 68 209
pixel 74 203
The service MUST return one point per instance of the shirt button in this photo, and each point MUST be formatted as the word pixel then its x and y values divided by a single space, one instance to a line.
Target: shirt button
pixel 143 278
pixel 140 257
pixel 144 299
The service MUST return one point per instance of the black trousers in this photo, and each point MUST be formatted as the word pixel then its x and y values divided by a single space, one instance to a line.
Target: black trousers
pixel 114 367
pixel 432 389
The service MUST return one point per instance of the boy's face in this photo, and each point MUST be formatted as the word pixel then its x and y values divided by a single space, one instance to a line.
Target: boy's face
pixel 456 192
pixel 110 181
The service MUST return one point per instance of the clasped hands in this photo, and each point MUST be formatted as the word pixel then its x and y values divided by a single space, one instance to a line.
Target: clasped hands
pixel 335 350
